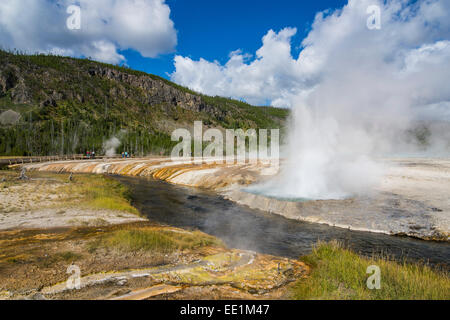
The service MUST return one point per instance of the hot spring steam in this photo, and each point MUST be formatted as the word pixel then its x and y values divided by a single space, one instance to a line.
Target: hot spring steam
pixel 361 91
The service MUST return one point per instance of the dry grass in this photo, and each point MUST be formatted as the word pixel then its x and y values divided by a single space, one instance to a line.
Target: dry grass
pixel 99 192
pixel 155 239
pixel 338 273
pixel 51 190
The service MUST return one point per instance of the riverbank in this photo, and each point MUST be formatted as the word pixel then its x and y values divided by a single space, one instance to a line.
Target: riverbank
pixel 340 274
pixel 147 260
pixel 412 199
pixel 92 227
pixel 46 200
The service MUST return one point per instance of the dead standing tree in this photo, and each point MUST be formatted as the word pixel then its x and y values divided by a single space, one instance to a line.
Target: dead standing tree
pixel 23 175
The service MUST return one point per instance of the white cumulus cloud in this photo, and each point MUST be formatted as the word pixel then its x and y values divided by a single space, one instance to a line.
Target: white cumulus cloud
pixel 413 40
pixel 371 87
pixel 272 75
pixel 354 91
pixel 107 26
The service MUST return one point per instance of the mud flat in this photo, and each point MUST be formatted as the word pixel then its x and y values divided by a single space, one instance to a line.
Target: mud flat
pixel 413 198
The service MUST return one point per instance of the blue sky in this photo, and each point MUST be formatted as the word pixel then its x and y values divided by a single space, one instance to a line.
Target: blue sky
pixel 211 29
pixel 194 43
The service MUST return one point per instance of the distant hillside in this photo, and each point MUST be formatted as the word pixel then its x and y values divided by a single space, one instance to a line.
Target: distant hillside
pixel 57 105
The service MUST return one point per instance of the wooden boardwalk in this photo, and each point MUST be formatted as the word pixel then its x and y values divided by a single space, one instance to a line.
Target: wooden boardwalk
pixel 23 160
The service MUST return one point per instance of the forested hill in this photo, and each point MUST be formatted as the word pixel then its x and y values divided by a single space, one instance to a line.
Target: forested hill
pixel 57 105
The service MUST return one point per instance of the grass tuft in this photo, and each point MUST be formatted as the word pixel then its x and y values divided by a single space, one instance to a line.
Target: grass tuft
pixel 340 274
pixel 155 240
pixel 102 192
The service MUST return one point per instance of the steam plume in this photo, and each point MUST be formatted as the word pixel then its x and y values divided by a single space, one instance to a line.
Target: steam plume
pixel 370 86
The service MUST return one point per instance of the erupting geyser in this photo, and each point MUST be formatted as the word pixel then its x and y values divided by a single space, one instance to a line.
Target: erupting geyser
pixel 363 90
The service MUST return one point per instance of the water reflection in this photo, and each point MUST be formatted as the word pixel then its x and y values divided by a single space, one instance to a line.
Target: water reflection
pixel 245 228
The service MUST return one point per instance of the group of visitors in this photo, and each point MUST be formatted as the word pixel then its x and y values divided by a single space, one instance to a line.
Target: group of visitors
pixel 90 154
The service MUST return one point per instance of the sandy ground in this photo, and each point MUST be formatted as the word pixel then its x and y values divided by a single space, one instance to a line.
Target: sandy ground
pixel 40 203
pixel 65 217
pixel 413 198
pixel 426 181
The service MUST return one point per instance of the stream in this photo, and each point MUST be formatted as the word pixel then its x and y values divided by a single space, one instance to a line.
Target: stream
pixel 244 228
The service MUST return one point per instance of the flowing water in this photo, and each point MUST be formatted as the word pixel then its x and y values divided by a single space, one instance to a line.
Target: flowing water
pixel 244 228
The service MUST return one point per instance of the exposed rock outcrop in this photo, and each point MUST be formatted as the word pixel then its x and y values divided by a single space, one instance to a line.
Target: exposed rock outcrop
pixel 155 91
pixel 9 117
pixel 55 94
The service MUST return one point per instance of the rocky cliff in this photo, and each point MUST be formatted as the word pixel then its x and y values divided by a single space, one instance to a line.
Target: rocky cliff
pixel 66 105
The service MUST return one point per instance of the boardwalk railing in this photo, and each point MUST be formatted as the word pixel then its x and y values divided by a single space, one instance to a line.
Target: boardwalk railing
pixel 23 160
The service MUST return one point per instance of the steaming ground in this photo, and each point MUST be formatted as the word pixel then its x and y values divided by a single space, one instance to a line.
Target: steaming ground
pixel 411 199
